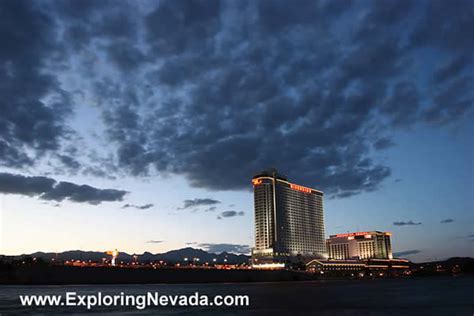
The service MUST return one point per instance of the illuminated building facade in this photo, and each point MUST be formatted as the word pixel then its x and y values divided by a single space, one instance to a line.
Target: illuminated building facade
pixel 289 220
pixel 376 267
pixel 360 245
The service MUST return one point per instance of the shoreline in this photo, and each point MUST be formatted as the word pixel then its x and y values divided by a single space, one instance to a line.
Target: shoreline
pixel 66 275
pixel 62 275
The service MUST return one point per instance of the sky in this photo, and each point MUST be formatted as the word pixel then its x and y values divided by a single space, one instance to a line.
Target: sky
pixel 138 125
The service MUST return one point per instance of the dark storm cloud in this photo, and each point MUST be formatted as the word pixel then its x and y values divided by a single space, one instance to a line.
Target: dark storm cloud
pixel 125 57
pixel 407 253
pixel 193 24
pixel 383 143
pixel 82 193
pixel 32 104
pixel 84 20
pixel 98 172
pixel 139 207
pixel 402 105
pixel 78 9
pixel 69 162
pixel 18 184
pixel 445 25
pixel 197 203
pixel 451 69
pixel 218 248
pixel 218 90
pixel 451 102
pixel 49 189
pixel 235 115
pixel 408 223
pixel 446 221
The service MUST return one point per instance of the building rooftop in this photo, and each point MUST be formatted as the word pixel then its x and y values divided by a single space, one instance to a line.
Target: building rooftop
pixel 269 173
pixel 372 232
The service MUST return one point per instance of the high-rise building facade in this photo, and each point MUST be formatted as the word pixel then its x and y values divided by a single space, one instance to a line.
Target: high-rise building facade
pixel 360 245
pixel 289 220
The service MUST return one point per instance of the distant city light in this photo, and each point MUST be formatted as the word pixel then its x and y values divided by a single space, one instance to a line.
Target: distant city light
pixel 269 266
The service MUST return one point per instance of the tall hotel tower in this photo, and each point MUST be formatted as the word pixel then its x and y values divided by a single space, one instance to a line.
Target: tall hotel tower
pixel 289 220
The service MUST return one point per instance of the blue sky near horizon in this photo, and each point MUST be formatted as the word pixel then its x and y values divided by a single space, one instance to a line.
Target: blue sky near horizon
pixel 138 125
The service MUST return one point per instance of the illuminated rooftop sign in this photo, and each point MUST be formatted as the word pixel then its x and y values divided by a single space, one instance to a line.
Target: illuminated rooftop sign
pixel 353 234
pixel 256 182
pixel 300 188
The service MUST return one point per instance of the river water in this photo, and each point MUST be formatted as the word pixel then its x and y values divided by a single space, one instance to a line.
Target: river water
pixel 417 296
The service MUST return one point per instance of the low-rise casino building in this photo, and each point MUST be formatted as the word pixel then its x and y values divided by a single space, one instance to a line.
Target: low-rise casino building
pixel 360 253
pixel 360 245
pixel 367 267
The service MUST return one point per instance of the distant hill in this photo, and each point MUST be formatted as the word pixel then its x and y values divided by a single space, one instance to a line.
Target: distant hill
pixel 451 265
pixel 172 256
pixel 451 261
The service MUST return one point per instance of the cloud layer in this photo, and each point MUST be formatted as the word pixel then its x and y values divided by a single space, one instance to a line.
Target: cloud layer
pixel 226 214
pixel 195 203
pixel 447 221
pixel 138 207
pixel 407 223
pixel 49 189
pixel 312 88
pixel 407 253
pixel 155 241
